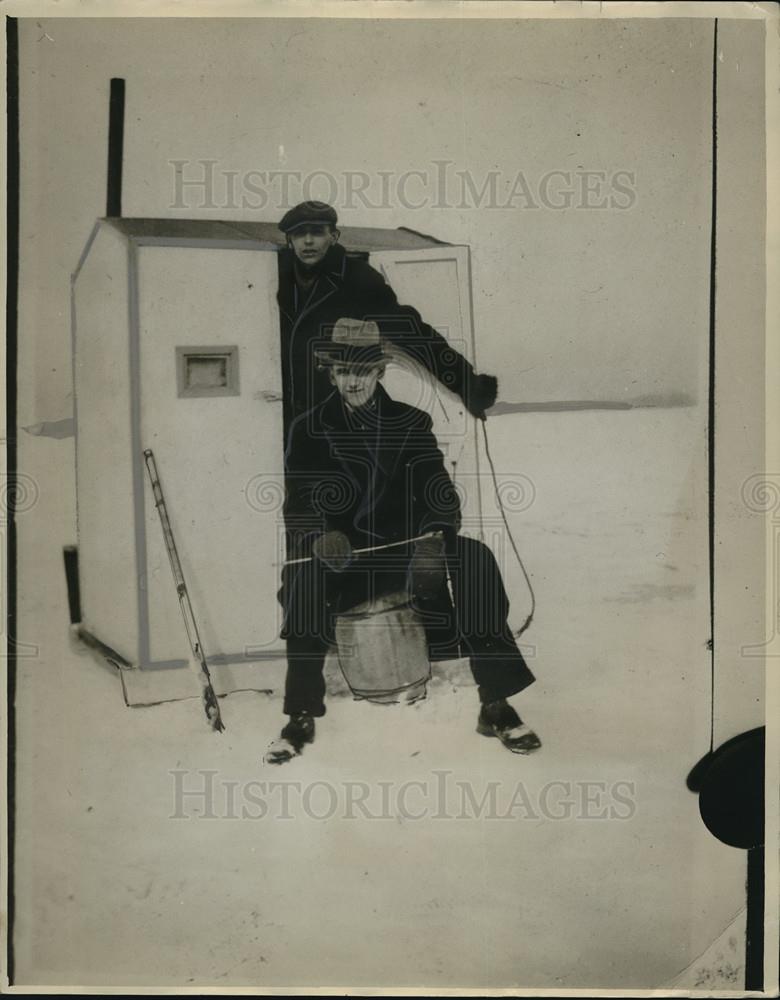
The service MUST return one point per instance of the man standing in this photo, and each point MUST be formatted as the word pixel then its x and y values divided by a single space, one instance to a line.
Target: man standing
pixel 364 471
pixel 319 283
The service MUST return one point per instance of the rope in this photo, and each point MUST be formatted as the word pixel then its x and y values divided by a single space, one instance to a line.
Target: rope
pixel 528 620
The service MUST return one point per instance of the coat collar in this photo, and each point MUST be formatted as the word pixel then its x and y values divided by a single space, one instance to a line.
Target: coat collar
pixel 333 415
pixel 333 266
pixel 348 447
pixel 329 278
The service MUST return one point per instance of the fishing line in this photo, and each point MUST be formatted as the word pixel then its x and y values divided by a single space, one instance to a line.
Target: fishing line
pixel 520 562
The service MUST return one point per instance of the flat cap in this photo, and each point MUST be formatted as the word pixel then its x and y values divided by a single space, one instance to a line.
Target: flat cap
pixel 317 212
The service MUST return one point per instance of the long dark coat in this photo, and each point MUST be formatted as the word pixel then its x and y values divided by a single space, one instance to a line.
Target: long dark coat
pixel 381 482
pixel 348 287
pixel 378 478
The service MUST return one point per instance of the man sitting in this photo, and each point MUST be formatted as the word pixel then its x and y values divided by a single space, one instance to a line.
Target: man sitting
pixel 364 471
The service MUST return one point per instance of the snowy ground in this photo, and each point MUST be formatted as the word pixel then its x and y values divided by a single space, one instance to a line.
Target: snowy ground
pixel 110 888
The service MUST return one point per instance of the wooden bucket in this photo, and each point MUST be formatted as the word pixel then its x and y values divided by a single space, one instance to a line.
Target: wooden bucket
pixel 383 651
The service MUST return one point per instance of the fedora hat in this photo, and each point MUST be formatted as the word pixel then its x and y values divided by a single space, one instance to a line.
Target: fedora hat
pixel 352 342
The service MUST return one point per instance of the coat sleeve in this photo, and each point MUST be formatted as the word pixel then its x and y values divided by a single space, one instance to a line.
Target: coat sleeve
pixel 436 506
pixel 405 328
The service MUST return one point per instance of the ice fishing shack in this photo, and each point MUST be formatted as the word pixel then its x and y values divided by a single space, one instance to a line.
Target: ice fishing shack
pixel 176 348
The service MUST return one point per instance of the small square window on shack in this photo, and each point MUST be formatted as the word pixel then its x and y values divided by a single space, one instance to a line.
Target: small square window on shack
pixel 207 371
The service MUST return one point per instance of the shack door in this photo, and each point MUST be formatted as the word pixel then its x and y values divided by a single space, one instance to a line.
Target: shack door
pixel 436 281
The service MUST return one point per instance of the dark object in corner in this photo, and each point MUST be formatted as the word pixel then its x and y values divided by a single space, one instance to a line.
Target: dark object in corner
pixel 730 783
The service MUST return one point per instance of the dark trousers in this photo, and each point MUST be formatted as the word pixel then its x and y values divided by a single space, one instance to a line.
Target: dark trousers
pixel 473 624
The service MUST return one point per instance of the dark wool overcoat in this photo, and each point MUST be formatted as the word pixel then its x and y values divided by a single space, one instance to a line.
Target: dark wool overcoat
pixel 376 475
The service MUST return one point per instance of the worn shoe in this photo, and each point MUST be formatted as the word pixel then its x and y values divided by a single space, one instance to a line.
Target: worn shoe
pixel 298 731
pixel 499 719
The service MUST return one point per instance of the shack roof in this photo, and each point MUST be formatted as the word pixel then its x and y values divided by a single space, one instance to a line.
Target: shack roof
pixel 355 238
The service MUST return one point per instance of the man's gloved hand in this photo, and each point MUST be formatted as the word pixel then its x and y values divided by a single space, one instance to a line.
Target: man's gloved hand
pixel 480 395
pixel 426 568
pixel 334 549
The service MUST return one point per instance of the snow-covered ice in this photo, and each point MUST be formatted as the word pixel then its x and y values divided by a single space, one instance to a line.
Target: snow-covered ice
pixel 111 887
